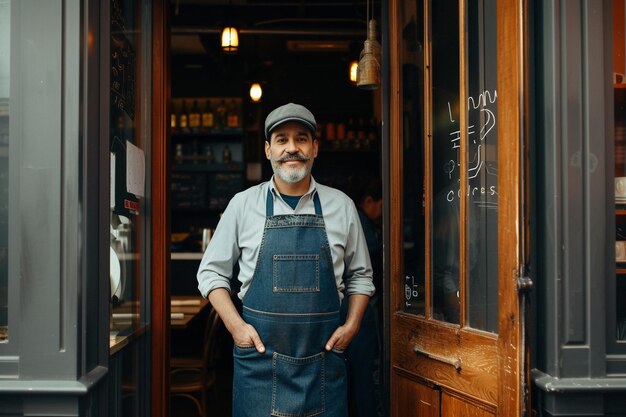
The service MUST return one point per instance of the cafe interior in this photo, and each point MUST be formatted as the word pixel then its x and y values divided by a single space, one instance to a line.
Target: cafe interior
pixel 231 63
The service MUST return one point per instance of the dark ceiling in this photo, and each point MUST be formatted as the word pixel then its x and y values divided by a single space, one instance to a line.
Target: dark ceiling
pixel 310 22
pixel 300 50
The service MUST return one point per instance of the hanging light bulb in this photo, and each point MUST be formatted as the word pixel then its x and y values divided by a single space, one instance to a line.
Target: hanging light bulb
pixel 230 39
pixel 368 71
pixel 256 92
pixel 354 65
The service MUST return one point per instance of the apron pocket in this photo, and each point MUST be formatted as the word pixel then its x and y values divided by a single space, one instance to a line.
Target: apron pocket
pixel 298 386
pixel 250 366
pixel 296 273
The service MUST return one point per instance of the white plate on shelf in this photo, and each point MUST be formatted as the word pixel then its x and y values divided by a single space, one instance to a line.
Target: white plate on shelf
pixel 620 251
pixel 115 274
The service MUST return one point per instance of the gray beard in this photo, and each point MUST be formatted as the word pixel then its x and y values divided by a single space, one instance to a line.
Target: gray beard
pixel 291 176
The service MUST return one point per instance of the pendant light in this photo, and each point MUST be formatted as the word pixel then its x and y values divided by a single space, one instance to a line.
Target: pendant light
pixel 368 71
pixel 230 36
pixel 354 67
pixel 230 39
pixel 256 92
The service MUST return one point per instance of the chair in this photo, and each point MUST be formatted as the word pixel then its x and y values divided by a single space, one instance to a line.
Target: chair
pixel 193 377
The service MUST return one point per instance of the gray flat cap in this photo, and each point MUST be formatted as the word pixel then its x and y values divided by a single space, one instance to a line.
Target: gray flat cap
pixel 290 112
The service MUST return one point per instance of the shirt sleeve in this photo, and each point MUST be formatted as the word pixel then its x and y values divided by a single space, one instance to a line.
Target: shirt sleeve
pixel 217 264
pixel 358 267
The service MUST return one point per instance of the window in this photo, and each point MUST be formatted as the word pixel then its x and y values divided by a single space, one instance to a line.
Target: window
pixel 431 85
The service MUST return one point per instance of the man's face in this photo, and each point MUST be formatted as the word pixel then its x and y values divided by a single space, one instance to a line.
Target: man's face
pixel 291 151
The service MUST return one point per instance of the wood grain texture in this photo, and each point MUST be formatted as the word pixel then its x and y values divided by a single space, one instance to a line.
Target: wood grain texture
pixel 454 406
pixel 488 380
pixel 412 398
pixel 476 351
pixel 510 120
pixel 160 226
pixel 396 238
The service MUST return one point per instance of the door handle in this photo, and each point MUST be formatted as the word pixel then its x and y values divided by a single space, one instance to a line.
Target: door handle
pixel 456 362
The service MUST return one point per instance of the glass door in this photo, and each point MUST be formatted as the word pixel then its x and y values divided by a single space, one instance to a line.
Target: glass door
pixel 455 312
pixel 129 137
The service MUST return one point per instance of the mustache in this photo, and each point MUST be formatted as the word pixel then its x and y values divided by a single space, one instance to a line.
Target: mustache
pixel 294 157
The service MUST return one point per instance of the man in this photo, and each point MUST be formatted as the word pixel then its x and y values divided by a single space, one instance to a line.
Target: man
pixel 298 245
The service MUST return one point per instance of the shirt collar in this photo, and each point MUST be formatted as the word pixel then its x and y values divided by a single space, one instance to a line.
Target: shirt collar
pixel 312 187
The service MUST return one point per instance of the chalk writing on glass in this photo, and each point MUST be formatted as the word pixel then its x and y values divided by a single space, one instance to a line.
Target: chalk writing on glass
pixel 411 290
pixel 480 165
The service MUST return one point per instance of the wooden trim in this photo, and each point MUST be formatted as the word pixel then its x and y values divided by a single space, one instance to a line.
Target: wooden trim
pixel 526 208
pixel 428 158
pixel 396 244
pixel 160 227
pixel 395 155
pixel 510 118
pixel 463 119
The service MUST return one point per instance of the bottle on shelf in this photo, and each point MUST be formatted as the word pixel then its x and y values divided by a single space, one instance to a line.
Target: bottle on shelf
pixel 341 131
pixel 183 118
pixel 173 118
pixel 221 114
pixel 372 135
pixel 194 117
pixel 208 154
pixel 232 119
pixel 361 133
pixel 351 131
pixel 330 132
pixel 194 151
pixel 226 155
pixel 178 154
pixel 208 120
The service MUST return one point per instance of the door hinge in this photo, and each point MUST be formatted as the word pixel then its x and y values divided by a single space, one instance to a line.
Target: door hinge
pixel 524 284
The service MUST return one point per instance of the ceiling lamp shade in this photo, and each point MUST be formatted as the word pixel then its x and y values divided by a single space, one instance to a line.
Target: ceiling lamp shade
pixel 230 39
pixel 256 92
pixel 354 67
pixel 368 72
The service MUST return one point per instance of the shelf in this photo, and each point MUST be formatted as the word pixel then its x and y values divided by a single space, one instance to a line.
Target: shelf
pixel 215 133
pixel 203 166
pixel 348 151
pixel 328 148
pixel 186 256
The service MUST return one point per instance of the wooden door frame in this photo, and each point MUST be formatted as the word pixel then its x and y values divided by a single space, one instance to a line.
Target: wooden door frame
pixel 160 227
pixel 512 56
pixel 512 70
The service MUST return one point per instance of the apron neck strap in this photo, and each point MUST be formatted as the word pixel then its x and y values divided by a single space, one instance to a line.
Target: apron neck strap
pixel 269 205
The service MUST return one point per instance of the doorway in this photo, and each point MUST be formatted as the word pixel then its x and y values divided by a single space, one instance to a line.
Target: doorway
pixel 298 51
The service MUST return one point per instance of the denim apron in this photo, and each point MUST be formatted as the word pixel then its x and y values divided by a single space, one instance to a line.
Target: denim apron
pixel 293 304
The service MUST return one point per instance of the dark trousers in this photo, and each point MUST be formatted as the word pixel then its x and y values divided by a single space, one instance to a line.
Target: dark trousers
pixel 363 361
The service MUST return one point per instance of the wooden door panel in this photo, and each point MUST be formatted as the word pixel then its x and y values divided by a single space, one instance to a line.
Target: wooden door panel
pixel 455 406
pixel 477 373
pixel 411 398
pixel 440 347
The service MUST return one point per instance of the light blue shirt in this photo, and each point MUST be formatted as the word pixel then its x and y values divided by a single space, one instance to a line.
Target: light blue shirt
pixel 238 235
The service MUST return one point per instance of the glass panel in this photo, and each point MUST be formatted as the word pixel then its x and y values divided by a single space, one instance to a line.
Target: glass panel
pixel 5 32
pixel 412 58
pixel 128 142
pixel 482 170
pixel 445 160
